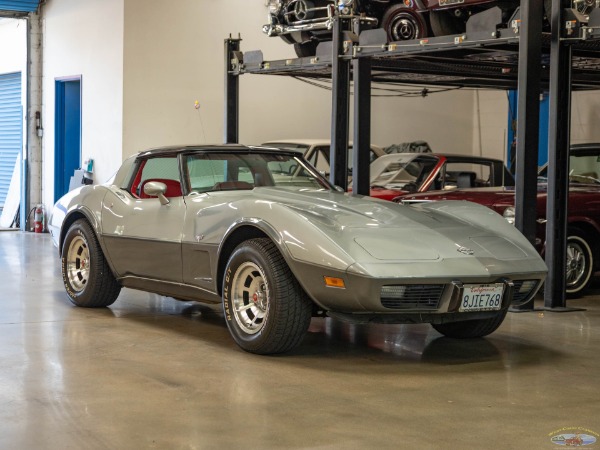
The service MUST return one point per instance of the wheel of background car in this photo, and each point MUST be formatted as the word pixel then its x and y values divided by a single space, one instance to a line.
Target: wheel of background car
pixel 402 23
pixel 87 277
pixel 468 329
pixel 580 262
pixel 265 307
pixel 305 49
pixel 444 23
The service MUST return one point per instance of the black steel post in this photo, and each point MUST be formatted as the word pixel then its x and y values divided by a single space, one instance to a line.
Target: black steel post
pixel 232 94
pixel 528 122
pixel 362 126
pixel 558 163
pixel 528 117
pixel 340 74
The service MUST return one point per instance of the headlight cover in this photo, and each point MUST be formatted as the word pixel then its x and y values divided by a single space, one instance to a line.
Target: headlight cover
pixel 509 214
pixel 274 6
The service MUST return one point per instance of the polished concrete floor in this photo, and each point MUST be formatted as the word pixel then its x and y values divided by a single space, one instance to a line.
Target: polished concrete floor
pixel 153 373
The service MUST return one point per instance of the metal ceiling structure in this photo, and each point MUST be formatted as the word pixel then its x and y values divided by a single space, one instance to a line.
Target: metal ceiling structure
pixel 518 57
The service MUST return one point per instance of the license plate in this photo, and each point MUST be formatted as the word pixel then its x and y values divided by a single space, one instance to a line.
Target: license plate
pixel 481 297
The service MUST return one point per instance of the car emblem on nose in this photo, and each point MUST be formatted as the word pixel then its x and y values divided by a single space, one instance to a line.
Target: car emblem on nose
pixel 301 10
pixel 465 250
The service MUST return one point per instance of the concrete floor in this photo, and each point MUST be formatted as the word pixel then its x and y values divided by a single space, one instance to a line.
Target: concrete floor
pixel 151 372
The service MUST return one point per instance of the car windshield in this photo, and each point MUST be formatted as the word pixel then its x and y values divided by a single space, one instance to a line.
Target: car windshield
pixel 583 169
pixel 399 170
pixel 231 171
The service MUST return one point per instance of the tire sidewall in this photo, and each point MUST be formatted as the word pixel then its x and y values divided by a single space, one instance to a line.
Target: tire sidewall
pixel 81 297
pixel 581 241
pixel 248 253
pixel 392 14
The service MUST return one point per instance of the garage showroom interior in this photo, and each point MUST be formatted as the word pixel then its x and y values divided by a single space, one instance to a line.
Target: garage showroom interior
pixel 299 224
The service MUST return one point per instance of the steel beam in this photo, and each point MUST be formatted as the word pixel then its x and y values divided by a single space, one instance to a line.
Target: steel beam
pixel 558 163
pixel 340 109
pixel 528 117
pixel 232 94
pixel 362 127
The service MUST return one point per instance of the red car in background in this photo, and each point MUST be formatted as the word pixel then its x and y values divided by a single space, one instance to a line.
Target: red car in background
pixel 402 173
pixel 583 232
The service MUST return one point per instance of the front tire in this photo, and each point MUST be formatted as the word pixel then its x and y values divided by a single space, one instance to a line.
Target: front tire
pixel 87 277
pixel 265 308
pixel 469 329
pixel 305 49
pixel 579 264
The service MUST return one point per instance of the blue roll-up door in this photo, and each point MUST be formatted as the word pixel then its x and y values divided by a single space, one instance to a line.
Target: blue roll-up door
pixel 19 6
pixel 11 129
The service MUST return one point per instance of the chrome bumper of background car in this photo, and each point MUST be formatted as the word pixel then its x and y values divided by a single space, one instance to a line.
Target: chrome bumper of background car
pixel 274 28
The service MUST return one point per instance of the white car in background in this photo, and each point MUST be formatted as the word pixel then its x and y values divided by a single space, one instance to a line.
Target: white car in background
pixel 316 151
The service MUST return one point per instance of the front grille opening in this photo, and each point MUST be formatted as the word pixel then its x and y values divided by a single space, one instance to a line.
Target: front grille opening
pixel 523 289
pixel 412 296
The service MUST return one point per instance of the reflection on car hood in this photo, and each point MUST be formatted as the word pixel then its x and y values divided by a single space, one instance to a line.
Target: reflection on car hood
pixel 391 231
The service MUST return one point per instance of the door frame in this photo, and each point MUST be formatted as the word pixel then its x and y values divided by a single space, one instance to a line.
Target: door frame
pixel 59 137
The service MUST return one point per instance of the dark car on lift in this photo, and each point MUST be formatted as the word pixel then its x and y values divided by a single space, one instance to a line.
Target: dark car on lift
pixel 583 232
pixel 305 23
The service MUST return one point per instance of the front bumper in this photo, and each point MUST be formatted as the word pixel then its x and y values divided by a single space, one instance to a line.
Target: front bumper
pixel 275 28
pixel 361 300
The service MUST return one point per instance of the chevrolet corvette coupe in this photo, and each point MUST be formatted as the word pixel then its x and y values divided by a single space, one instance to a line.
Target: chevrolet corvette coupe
pixel 261 232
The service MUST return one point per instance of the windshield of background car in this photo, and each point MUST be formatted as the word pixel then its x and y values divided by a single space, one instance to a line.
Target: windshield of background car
pixel 320 159
pixel 467 175
pixel 226 171
pixel 399 170
pixel 584 169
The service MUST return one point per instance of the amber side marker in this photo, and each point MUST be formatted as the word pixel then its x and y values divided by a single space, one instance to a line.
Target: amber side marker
pixel 334 282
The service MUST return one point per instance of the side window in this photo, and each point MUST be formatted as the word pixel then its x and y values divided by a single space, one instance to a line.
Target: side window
pixel 206 173
pixel 162 170
pixel 320 159
pixel 467 175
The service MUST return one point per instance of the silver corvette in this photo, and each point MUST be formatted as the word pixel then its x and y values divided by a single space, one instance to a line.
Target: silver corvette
pixel 260 231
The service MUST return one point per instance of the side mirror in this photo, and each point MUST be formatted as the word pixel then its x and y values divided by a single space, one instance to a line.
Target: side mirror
pixel 157 189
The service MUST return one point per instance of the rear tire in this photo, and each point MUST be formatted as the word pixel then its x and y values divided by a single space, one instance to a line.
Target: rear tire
pixel 443 23
pixel 580 263
pixel 266 309
pixel 469 329
pixel 87 277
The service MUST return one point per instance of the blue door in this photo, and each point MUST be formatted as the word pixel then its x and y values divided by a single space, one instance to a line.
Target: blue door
pixel 11 129
pixel 67 156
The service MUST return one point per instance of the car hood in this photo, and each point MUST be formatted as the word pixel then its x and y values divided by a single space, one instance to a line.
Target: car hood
pixel 370 230
pixel 484 196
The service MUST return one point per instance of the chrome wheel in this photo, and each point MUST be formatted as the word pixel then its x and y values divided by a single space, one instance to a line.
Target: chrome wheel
pixel 576 263
pixel 250 297
pixel 78 263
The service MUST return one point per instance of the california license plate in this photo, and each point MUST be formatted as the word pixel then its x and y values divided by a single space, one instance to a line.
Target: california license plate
pixel 481 297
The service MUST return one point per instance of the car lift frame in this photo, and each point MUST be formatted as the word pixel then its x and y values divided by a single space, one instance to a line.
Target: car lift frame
pixel 504 58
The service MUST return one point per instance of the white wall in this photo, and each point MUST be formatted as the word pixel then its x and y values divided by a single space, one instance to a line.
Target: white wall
pixel 174 56
pixel 490 122
pixel 585 117
pixel 13 47
pixel 85 38
pixel 493 119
